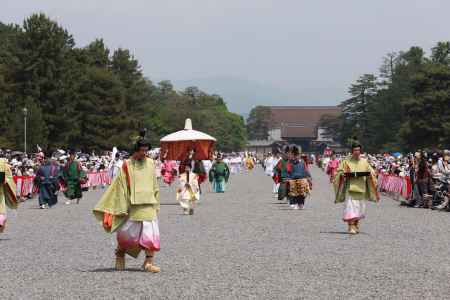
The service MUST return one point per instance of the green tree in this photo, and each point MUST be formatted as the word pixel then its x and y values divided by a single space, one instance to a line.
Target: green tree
pixel 428 124
pixel 44 74
pixel 97 54
pixel 356 108
pixel 333 126
pixel 441 53
pixel 258 123
pixel 139 101
pixel 105 125
pixel 89 98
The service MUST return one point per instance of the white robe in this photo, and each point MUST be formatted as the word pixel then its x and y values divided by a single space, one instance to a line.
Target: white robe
pixel 188 196
pixel 271 163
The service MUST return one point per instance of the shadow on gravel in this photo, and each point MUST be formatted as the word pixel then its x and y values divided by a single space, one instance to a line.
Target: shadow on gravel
pixel 168 204
pixel 7 239
pixel 343 233
pixel 335 232
pixel 111 270
pixel 180 214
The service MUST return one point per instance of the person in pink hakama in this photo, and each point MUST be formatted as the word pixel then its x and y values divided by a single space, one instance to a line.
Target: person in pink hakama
pixel 131 206
pixel 8 197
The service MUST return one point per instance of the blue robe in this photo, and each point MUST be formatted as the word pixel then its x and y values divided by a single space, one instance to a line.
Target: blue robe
pixel 47 177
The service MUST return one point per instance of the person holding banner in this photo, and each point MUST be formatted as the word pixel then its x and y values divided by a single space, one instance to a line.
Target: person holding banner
pixel 355 183
pixel 7 192
pixel 130 207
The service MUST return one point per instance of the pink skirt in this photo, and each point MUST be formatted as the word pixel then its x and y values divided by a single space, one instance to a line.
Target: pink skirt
pixel 354 210
pixel 2 220
pixel 139 235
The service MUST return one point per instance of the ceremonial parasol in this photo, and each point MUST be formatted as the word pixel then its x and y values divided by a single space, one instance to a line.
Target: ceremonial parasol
pixel 178 145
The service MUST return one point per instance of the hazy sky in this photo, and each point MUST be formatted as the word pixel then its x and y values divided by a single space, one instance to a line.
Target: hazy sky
pixel 309 51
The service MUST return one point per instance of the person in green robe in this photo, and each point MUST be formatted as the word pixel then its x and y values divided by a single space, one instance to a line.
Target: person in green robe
pixel 280 173
pixel 130 207
pixel 219 175
pixel 74 177
pixel 8 197
pixel 355 183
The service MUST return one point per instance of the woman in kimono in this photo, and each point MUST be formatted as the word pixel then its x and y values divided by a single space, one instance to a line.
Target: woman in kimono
pixel 332 166
pixel 168 171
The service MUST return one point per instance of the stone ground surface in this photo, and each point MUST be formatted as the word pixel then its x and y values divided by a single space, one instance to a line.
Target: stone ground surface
pixel 242 244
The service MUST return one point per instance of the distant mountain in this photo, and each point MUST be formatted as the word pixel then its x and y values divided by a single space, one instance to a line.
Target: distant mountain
pixel 241 95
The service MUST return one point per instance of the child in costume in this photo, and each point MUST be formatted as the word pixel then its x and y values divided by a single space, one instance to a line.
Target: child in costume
pixel 189 192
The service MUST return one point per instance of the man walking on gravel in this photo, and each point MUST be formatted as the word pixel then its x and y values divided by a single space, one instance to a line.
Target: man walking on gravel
pixel 299 180
pixel 74 177
pixel 131 206
pixel 219 174
pixel 280 173
pixel 7 192
pixel 355 183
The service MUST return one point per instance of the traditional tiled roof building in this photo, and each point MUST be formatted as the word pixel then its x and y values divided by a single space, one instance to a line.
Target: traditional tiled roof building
pixel 299 125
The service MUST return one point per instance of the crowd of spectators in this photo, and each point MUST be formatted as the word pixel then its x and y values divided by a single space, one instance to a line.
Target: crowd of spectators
pixel 428 174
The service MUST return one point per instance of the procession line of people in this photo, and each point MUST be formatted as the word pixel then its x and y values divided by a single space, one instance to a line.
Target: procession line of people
pixel 292 179
pixel 354 182
pixel 131 205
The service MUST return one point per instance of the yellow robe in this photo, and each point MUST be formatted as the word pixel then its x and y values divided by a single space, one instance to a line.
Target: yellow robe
pixel 133 194
pixel 359 188
pixel 7 190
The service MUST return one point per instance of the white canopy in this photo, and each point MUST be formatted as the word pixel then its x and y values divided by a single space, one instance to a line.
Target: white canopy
pixel 187 134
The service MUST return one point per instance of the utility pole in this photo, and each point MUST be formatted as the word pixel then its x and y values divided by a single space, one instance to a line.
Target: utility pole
pixel 25 115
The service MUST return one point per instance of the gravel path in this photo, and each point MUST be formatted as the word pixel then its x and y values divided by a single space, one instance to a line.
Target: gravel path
pixel 242 244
